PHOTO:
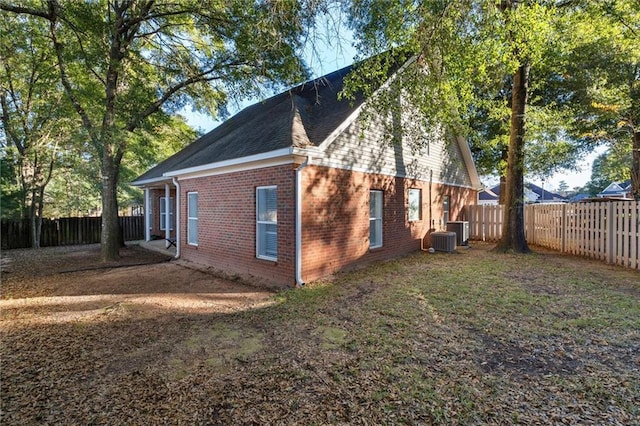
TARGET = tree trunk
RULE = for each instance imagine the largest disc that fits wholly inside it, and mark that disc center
(503, 179)
(635, 166)
(502, 190)
(39, 213)
(35, 208)
(110, 238)
(33, 222)
(513, 238)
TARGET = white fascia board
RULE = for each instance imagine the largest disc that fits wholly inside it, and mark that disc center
(300, 155)
(346, 123)
(267, 159)
(311, 151)
(252, 165)
(145, 182)
(468, 161)
(232, 162)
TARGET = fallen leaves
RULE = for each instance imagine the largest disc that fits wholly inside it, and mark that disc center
(421, 340)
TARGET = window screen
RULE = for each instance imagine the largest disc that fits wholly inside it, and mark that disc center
(375, 219)
(267, 222)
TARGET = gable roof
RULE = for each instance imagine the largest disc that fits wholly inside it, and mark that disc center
(301, 117)
(616, 189)
(488, 195)
(302, 120)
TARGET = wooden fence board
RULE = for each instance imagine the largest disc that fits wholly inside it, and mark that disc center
(608, 231)
(66, 231)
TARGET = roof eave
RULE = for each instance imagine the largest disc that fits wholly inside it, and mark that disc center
(469, 163)
(256, 158)
(150, 181)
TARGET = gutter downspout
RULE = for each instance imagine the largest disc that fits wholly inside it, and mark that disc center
(299, 281)
(177, 213)
(147, 214)
(430, 210)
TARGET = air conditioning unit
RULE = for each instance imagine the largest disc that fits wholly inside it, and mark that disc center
(443, 241)
(461, 228)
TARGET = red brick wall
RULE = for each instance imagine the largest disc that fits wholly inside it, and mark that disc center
(155, 196)
(227, 223)
(336, 218)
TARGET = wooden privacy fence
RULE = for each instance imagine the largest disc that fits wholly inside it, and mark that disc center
(608, 231)
(66, 231)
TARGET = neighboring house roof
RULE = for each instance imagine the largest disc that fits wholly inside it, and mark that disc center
(306, 117)
(487, 195)
(529, 196)
(535, 194)
(579, 197)
(616, 189)
(544, 195)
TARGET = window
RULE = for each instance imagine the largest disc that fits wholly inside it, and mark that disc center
(163, 213)
(375, 219)
(445, 209)
(192, 218)
(267, 223)
(415, 204)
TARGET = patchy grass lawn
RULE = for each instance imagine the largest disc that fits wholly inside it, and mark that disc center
(469, 338)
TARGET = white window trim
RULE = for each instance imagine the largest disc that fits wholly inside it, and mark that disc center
(446, 202)
(419, 218)
(372, 220)
(161, 213)
(264, 222)
(190, 218)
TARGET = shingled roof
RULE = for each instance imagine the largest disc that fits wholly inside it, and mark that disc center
(301, 117)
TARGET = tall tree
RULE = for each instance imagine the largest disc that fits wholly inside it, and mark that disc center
(122, 61)
(601, 74)
(466, 48)
(33, 112)
(526, 31)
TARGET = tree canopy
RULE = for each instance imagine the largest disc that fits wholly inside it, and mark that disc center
(37, 121)
(477, 57)
(600, 75)
(532, 84)
(123, 62)
(513, 76)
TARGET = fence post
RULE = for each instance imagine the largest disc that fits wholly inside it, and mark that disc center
(563, 227)
(529, 227)
(480, 223)
(635, 230)
(610, 227)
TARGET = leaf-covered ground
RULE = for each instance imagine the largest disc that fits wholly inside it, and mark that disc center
(468, 338)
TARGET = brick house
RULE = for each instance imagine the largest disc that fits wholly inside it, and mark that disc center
(302, 185)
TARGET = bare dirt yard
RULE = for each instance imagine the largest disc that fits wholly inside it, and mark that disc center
(70, 283)
(475, 337)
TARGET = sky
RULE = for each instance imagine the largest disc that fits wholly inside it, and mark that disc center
(574, 178)
(330, 54)
(326, 54)
(333, 59)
